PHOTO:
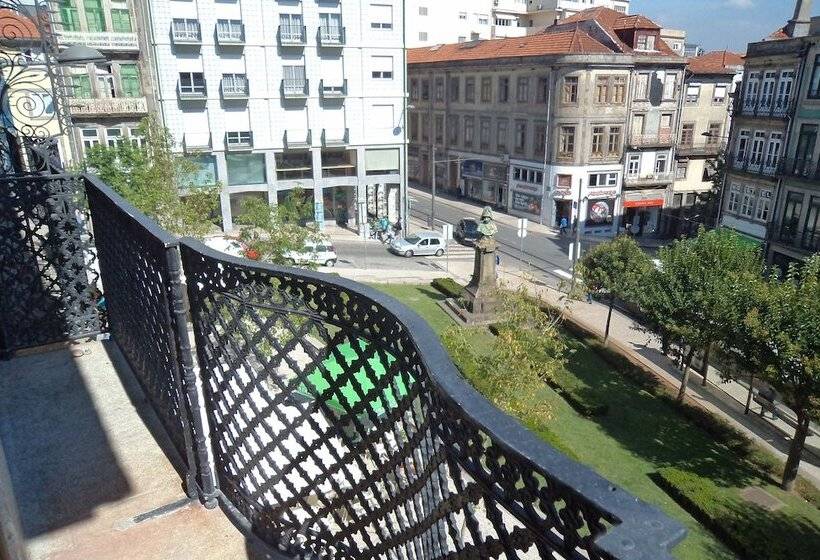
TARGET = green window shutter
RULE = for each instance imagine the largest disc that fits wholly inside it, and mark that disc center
(94, 16)
(81, 86)
(121, 21)
(68, 16)
(130, 80)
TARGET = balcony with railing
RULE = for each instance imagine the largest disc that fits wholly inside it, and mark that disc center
(292, 35)
(759, 164)
(790, 235)
(238, 141)
(193, 142)
(230, 35)
(805, 169)
(110, 106)
(298, 139)
(330, 90)
(764, 106)
(648, 179)
(662, 138)
(102, 41)
(235, 88)
(335, 137)
(246, 379)
(186, 32)
(330, 36)
(295, 88)
(700, 147)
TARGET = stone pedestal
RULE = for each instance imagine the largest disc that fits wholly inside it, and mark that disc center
(481, 294)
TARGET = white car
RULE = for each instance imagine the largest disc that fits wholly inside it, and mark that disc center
(420, 243)
(321, 253)
(226, 245)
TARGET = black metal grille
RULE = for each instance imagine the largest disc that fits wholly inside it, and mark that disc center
(48, 264)
(341, 429)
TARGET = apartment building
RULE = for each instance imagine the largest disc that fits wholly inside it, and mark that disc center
(675, 39)
(107, 100)
(765, 129)
(266, 96)
(538, 125)
(710, 85)
(543, 13)
(431, 22)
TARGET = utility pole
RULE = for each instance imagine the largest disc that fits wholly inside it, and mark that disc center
(433, 201)
(577, 241)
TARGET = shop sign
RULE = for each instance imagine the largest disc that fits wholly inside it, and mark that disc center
(562, 194)
(600, 212)
(526, 187)
(526, 203)
(495, 172)
(643, 203)
(472, 167)
(596, 194)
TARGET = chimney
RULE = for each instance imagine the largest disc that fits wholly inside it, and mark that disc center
(800, 24)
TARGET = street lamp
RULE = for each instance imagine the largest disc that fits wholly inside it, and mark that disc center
(433, 202)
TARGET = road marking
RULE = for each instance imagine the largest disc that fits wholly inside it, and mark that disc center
(563, 273)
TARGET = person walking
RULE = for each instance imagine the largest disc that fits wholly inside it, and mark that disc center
(563, 225)
(397, 228)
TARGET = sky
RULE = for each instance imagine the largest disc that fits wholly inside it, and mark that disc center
(720, 24)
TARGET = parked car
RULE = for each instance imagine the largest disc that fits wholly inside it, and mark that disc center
(321, 253)
(420, 243)
(466, 231)
(226, 245)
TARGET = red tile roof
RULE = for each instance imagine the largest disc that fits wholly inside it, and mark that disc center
(16, 26)
(717, 62)
(778, 35)
(574, 41)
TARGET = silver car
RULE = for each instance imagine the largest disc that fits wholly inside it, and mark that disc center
(420, 243)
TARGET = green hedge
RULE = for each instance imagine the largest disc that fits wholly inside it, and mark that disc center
(753, 533)
(448, 287)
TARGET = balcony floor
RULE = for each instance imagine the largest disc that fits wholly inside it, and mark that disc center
(88, 466)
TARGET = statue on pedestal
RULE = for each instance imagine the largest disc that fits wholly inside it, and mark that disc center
(481, 293)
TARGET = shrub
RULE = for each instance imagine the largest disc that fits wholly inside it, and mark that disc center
(448, 287)
(753, 533)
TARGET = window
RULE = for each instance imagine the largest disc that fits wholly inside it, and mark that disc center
(291, 28)
(687, 134)
(121, 21)
(422, 36)
(767, 94)
(68, 15)
(752, 89)
(619, 90)
(486, 89)
(645, 42)
(522, 93)
(633, 165)
(202, 173)
(734, 199)
(569, 93)
(191, 83)
(382, 67)
(439, 132)
(440, 89)
(90, 137)
(501, 135)
(330, 26)
(94, 16)
(234, 84)
(603, 179)
(455, 86)
(422, 11)
(810, 230)
(719, 96)
(638, 124)
(660, 163)
(229, 30)
(784, 91)
(670, 86)
(520, 138)
(503, 89)
(483, 19)
(381, 16)
(113, 136)
(425, 90)
(773, 152)
(566, 142)
(81, 86)
(246, 169)
(615, 140)
(484, 133)
(642, 85)
(185, 29)
(806, 143)
(239, 138)
(462, 16)
(452, 127)
(666, 122)
(294, 79)
(542, 90)
(714, 132)
(791, 215)
(130, 80)
(136, 139)
(526, 175)
(764, 205)
(540, 140)
(469, 90)
(681, 166)
(757, 148)
(469, 131)
(598, 140)
(814, 84)
(747, 203)
(425, 127)
(692, 93)
(601, 89)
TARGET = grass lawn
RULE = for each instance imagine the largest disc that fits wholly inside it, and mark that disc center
(639, 434)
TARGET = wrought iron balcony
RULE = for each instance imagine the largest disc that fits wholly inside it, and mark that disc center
(757, 164)
(334, 137)
(662, 138)
(298, 139)
(114, 107)
(186, 32)
(332, 91)
(233, 36)
(764, 106)
(802, 168)
(292, 35)
(331, 36)
(235, 88)
(295, 89)
(648, 179)
(701, 147)
(102, 41)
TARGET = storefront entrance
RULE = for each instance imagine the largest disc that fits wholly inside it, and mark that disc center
(641, 221)
(340, 205)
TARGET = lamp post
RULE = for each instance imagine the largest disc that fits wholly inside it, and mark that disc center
(433, 201)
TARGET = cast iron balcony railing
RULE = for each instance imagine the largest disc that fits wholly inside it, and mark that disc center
(239, 141)
(330, 36)
(701, 147)
(802, 168)
(332, 90)
(295, 88)
(759, 164)
(232, 34)
(111, 106)
(292, 35)
(186, 32)
(662, 138)
(298, 139)
(105, 41)
(764, 106)
(787, 233)
(235, 87)
(649, 179)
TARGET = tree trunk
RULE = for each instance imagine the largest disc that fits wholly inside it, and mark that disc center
(749, 396)
(609, 318)
(705, 365)
(687, 364)
(796, 449)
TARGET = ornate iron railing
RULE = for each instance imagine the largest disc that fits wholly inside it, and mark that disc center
(341, 429)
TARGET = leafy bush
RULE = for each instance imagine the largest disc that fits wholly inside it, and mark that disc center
(448, 287)
(753, 533)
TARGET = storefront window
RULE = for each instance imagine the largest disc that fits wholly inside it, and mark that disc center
(246, 169)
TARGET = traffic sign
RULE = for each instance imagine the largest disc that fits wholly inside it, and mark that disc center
(447, 231)
(523, 223)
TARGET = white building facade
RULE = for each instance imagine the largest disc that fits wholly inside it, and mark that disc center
(269, 96)
(433, 22)
(543, 13)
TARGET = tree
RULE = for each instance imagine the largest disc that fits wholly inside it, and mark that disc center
(151, 177)
(780, 335)
(689, 297)
(270, 232)
(617, 268)
(710, 200)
